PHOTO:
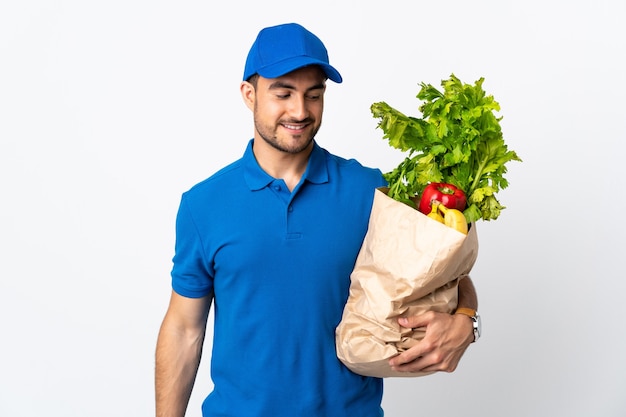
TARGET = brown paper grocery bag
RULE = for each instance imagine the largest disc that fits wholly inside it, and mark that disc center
(408, 264)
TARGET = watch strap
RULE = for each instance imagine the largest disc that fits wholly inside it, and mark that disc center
(466, 311)
(472, 314)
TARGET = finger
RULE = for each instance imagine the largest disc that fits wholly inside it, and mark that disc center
(418, 367)
(424, 364)
(419, 364)
(413, 322)
(403, 359)
(415, 366)
(411, 355)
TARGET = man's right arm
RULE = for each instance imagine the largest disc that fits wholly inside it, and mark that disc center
(178, 353)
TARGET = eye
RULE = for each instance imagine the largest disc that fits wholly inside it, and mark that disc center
(314, 96)
(283, 94)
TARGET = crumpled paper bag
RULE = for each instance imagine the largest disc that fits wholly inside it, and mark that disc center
(408, 264)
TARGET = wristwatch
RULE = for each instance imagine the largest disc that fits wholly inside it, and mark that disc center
(472, 314)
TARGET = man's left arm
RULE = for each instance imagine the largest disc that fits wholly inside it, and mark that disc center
(446, 339)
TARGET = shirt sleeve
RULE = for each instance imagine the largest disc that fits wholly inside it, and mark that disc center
(192, 275)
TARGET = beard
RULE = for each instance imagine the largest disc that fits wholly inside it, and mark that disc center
(291, 147)
(291, 144)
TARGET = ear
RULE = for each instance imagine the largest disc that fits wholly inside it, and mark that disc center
(248, 94)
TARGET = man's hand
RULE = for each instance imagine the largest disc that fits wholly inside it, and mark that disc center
(445, 341)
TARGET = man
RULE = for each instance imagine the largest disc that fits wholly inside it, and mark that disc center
(271, 240)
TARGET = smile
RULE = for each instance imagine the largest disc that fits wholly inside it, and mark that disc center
(294, 127)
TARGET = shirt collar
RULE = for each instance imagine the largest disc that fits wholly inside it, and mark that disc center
(316, 170)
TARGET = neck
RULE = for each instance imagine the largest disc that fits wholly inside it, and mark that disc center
(279, 164)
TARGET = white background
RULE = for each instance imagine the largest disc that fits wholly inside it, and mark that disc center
(110, 110)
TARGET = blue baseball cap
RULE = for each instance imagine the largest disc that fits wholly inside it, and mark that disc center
(281, 49)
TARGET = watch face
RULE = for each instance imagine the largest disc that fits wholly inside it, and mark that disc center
(477, 327)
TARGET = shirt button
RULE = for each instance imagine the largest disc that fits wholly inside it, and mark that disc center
(277, 187)
(290, 209)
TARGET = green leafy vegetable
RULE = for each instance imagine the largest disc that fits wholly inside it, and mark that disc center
(457, 141)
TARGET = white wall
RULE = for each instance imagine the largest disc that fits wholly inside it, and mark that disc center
(110, 110)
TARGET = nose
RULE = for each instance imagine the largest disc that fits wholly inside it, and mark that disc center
(298, 109)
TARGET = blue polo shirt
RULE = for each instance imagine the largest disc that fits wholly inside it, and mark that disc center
(278, 264)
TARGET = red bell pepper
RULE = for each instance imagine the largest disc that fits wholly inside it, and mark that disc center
(447, 194)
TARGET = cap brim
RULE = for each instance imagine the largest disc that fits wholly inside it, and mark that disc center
(285, 67)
